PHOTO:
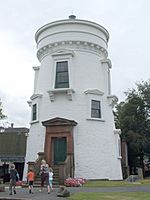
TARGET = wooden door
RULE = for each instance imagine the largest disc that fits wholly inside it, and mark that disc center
(60, 150)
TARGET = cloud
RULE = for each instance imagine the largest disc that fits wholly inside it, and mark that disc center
(128, 48)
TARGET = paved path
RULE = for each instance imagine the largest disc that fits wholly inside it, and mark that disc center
(23, 192)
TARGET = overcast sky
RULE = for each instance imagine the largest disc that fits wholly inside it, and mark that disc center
(127, 21)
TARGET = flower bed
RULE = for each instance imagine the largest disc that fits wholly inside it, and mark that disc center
(19, 183)
(74, 182)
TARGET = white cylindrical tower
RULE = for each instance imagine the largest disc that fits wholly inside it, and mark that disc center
(72, 100)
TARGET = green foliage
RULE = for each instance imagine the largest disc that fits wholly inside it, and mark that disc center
(2, 116)
(133, 117)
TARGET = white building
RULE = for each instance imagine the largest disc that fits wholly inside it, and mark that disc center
(72, 117)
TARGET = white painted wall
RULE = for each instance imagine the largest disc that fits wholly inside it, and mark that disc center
(95, 144)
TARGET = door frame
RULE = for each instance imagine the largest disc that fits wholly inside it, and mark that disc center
(58, 127)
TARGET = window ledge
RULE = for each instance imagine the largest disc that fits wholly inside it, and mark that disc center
(119, 157)
(34, 96)
(96, 119)
(113, 99)
(29, 103)
(35, 121)
(94, 91)
(68, 91)
(117, 131)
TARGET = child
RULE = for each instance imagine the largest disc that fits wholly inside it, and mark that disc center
(30, 177)
(51, 178)
(13, 178)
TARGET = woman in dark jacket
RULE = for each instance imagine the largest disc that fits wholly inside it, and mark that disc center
(44, 171)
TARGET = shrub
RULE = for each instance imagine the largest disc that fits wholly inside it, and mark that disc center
(74, 182)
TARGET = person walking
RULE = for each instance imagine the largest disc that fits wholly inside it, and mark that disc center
(13, 179)
(30, 177)
(44, 171)
(51, 178)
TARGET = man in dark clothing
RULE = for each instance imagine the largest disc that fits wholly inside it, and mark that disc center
(13, 179)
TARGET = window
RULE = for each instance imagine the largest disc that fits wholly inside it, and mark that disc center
(95, 102)
(34, 112)
(95, 109)
(119, 147)
(62, 76)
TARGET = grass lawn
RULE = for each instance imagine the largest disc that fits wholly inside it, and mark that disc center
(111, 196)
(116, 183)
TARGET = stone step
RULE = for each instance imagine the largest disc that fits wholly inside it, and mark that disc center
(37, 181)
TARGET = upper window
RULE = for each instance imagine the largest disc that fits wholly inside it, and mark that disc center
(34, 112)
(62, 75)
(95, 109)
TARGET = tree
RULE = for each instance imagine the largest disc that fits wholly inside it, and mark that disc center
(133, 117)
(2, 116)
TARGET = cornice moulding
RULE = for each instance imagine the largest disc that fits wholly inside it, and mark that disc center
(71, 46)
